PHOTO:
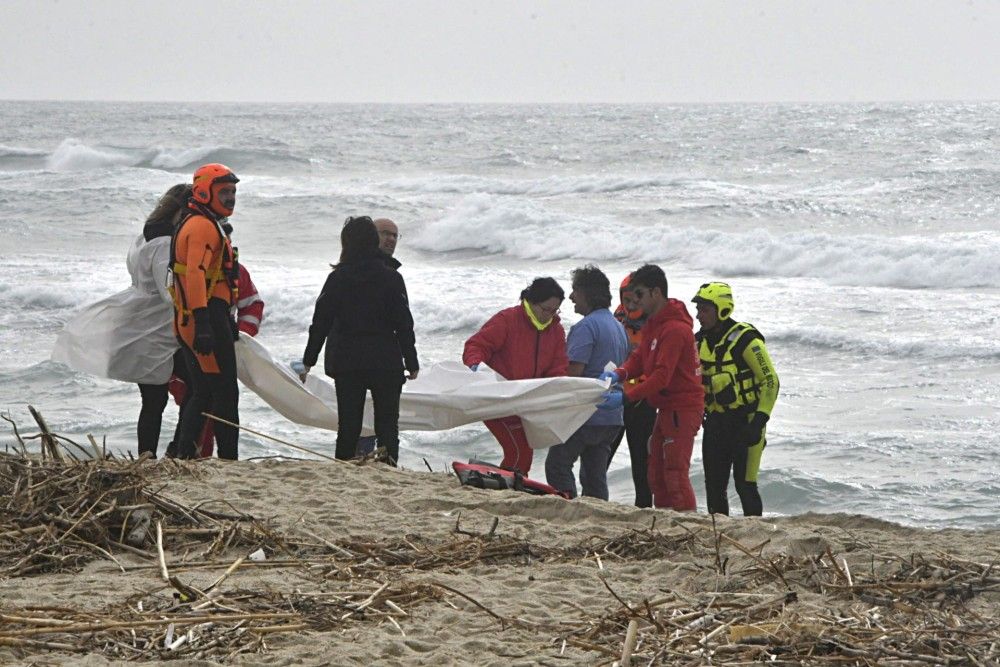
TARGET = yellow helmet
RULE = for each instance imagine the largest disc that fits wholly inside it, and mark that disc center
(718, 294)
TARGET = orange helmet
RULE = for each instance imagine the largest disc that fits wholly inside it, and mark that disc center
(207, 180)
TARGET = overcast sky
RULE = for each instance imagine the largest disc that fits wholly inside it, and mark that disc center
(509, 51)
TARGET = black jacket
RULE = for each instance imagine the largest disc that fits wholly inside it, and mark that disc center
(364, 312)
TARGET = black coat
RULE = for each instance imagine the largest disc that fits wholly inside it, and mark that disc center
(363, 311)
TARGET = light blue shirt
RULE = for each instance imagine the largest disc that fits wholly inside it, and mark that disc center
(594, 341)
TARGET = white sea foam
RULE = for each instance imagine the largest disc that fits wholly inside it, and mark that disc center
(902, 344)
(526, 229)
(73, 155)
(17, 151)
(164, 158)
(551, 185)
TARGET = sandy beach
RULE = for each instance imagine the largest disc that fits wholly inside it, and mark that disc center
(499, 578)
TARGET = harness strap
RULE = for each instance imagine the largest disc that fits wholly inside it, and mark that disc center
(216, 273)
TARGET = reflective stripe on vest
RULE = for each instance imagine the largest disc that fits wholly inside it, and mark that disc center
(729, 384)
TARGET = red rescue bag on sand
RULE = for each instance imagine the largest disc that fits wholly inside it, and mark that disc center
(486, 476)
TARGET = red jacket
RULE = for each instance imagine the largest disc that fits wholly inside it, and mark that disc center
(511, 345)
(668, 358)
(249, 307)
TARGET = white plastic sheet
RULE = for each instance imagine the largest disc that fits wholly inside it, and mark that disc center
(443, 396)
(128, 336)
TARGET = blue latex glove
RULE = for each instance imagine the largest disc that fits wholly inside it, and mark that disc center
(609, 375)
(473, 367)
(613, 399)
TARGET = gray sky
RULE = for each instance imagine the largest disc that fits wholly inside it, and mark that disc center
(471, 51)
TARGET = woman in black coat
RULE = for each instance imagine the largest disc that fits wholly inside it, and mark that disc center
(363, 317)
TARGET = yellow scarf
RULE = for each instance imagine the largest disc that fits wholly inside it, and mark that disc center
(541, 326)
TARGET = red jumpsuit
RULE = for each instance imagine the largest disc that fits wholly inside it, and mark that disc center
(668, 360)
(511, 345)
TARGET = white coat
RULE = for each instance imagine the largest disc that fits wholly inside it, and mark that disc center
(128, 336)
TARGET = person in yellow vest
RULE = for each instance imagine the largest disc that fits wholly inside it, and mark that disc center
(205, 276)
(741, 387)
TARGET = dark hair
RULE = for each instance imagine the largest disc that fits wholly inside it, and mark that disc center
(649, 275)
(594, 285)
(542, 289)
(358, 238)
(171, 206)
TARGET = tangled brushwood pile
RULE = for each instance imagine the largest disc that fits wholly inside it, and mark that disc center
(909, 611)
(206, 580)
(202, 624)
(57, 515)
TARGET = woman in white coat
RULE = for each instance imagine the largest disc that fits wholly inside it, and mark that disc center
(129, 336)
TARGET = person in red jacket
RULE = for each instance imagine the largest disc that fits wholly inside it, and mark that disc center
(522, 342)
(249, 315)
(668, 360)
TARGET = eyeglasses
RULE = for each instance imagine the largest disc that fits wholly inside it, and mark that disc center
(549, 311)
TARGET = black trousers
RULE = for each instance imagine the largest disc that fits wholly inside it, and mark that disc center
(352, 386)
(154, 401)
(722, 451)
(215, 393)
(639, 420)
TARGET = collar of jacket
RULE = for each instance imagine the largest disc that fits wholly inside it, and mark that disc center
(534, 320)
(391, 261)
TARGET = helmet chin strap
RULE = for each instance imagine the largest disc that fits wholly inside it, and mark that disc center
(207, 210)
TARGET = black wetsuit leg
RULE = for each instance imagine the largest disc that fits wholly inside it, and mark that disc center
(216, 393)
(639, 420)
(225, 388)
(716, 454)
(616, 444)
(154, 400)
(197, 401)
(180, 370)
(749, 494)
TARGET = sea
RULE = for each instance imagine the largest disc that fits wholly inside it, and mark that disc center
(861, 239)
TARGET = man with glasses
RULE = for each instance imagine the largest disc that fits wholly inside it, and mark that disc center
(668, 360)
(593, 342)
(388, 236)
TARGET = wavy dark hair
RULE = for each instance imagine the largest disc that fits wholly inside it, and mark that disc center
(358, 238)
(594, 285)
(542, 289)
(172, 206)
(650, 275)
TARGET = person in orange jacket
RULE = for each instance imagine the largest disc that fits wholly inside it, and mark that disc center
(249, 315)
(204, 287)
(639, 415)
(521, 342)
(667, 363)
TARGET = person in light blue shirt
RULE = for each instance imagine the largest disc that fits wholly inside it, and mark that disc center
(592, 343)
